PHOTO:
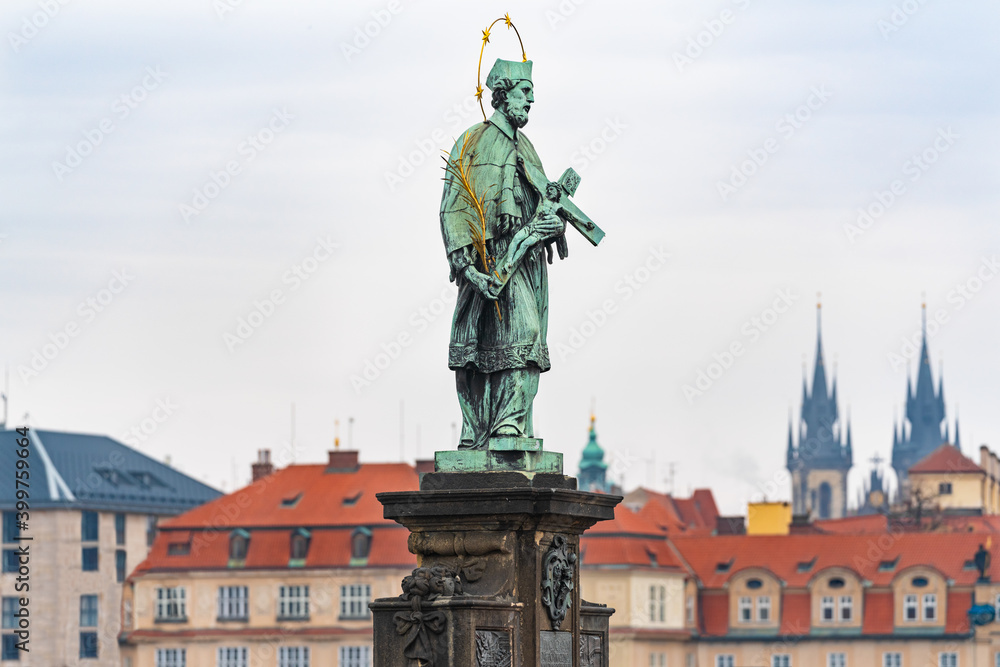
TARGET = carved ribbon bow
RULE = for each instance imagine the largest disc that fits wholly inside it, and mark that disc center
(416, 628)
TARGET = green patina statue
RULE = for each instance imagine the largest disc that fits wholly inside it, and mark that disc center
(500, 217)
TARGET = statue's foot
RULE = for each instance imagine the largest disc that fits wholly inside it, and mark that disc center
(508, 430)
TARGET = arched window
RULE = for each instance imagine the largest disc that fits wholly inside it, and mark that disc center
(300, 544)
(239, 542)
(825, 500)
(361, 544)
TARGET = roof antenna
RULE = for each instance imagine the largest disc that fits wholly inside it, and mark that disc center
(350, 432)
(336, 434)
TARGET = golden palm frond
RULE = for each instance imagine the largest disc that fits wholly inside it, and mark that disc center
(459, 169)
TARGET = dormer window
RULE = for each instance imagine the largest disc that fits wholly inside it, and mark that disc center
(361, 544)
(299, 547)
(930, 607)
(239, 543)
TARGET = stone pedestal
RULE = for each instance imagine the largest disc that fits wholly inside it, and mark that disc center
(498, 578)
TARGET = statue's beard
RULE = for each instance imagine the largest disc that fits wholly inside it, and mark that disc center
(517, 114)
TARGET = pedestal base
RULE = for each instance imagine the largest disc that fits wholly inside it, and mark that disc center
(504, 453)
(498, 582)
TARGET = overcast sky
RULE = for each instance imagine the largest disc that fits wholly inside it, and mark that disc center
(170, 168)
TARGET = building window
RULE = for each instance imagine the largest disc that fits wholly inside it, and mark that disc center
(300, 545)
(690, 660)
(231, 656)
(944, 489)
(356, 656)
(120, 529)
(293, 656)
(930, 607)
(88, 611)
(846, 608)
(89, 557)
(119, 565)
(657, 603)
(88, 526)
(657, 660)
(293, 602)
(127, 614)
(354, 600)
(88, 644)
(689, 610)
(10, 560)
(892, 659)
(361, 544)
(10, 530)
(171, 657)
(826, 608)
(781, 660)
(948, 660)
(724, 660)
(910, 608)
(745, 609)
(171, 605)
(10, 651)
(10, 608)
(233, 603)
(239, 542)
(836, 660)
(764, 609)
(150, 530)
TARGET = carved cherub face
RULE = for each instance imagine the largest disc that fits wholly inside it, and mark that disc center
(518, 103)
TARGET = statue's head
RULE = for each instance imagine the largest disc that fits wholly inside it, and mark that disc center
(513, 92)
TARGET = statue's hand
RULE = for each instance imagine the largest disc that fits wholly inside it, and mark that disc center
(487, 286)
(547, 226)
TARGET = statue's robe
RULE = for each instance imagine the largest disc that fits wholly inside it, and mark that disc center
(496, 360)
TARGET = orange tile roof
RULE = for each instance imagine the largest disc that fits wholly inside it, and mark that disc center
(877, 618)
(628, 539)
(325, 501)
(329, 505)
(714, 613)
(946, 459)
(862, 553)
(796, 614)
(957, 619)
(871, 523)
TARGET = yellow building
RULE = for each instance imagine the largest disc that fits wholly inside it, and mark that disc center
(948, 480)
(278, 574)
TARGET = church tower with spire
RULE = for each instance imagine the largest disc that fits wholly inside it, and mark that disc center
(819, 453)
(921, 432)
(593, 469)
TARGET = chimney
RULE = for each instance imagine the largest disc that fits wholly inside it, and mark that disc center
(263, 467)
(342, 460)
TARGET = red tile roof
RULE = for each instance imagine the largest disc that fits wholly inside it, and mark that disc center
(330, 505)
(714, 613)
(796, 614)
(957, 619)
(878, 618)
(946, 459)
(862, 553)
(628, 539)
